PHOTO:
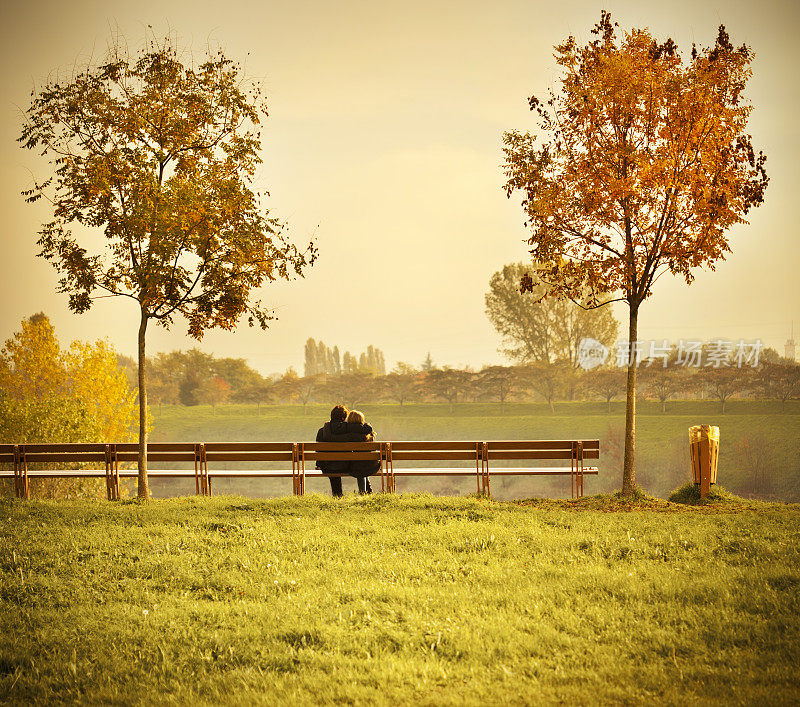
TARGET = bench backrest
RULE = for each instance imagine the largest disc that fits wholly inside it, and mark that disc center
(423, 450)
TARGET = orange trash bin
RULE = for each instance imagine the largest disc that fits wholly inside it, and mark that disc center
(704, 444)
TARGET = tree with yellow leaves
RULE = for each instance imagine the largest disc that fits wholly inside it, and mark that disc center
(51, 395)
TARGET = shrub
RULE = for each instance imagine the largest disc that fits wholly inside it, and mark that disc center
(689, 494)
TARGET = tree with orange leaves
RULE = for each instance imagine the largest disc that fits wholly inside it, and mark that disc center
(160, 156)
(641, 165)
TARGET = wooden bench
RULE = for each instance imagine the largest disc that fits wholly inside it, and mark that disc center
(293, 458)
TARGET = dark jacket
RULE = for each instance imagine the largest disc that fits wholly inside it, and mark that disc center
(340, 431)
(363, 433)
(336, 431)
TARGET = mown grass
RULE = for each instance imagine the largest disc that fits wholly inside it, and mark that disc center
(406, 599)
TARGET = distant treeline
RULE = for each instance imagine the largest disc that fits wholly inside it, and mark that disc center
(194, 377)
(319, 359)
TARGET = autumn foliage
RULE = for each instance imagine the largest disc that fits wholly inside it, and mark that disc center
(53, 394)
(640, 166)
(159, 154)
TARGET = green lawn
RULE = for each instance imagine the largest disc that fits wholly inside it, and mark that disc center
(398, 600)
(662, 440)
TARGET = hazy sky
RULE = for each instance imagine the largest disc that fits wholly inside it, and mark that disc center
(385, 142)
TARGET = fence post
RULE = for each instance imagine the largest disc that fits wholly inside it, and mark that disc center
(486, 469)
(300, 476)
(109, 492)
(112, 472)
(202, 483)
(295, 469)
(21, 472)
(389, 469)
(573, 470)
(478, 465)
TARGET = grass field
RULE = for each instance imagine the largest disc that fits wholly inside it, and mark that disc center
(398, 600)
(662, 440)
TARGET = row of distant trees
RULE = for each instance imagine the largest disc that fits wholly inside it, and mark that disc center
(194, 377)
(321, 359)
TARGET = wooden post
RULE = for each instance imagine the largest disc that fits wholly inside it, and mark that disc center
(478, 465)
(115, 474)
(17, 472)
(573, 459)
(201, 481)
(301, 469)
(387, 476)
(197, 469)
(204, 464)
(112, 473)
(295, 468)
(384, 465)
(21, 472)
(390, 487)
(485, 462)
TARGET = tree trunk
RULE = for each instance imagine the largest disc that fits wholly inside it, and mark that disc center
(608, 404)
(144, 488)
(723, 405)
(664, 405)
(552, 407)
(629, 467)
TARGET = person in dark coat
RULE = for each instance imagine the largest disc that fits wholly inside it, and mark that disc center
(335, 431)
(362, 432)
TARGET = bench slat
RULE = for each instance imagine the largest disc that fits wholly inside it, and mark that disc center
(334, 446)
(542, 444)
(248, 457)
(537, 454)
(433, 456)
(249, 447)
(434, 445)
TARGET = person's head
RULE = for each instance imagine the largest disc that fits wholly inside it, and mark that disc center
(339, 414)
(356, 417)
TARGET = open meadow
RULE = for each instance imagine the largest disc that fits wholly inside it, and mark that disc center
(398, 600)
(759, 452)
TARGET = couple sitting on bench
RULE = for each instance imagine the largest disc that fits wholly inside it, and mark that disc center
(347, 427)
